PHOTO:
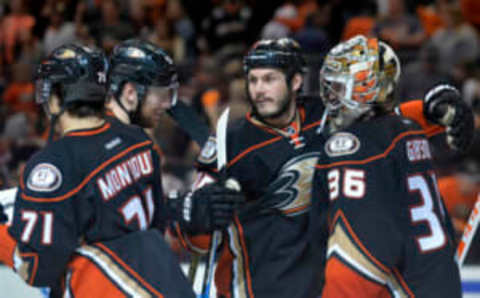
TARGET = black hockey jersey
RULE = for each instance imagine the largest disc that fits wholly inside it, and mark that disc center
(386, 220)
(92, 188)
(265, 252)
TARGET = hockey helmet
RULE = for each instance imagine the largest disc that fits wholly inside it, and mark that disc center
(80, 71)
(359, 74)
(284, 53)
(144, 64)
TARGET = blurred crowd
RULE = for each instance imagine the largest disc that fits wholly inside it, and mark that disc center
(436, 40)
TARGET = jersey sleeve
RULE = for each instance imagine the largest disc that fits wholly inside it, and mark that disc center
(44, 231)
(414, 111)
(206, 173)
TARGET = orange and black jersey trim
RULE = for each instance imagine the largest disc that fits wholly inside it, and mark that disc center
(82, 187)
(387, 223)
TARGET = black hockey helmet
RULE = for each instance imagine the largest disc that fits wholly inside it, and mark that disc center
(284, 53)
(142, 63)
(80, 71)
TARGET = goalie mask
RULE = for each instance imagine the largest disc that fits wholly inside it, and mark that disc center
(146, 66)
(358, 75)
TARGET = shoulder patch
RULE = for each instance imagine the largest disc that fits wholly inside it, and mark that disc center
(44, 177)
(209, 151)
(343, 143)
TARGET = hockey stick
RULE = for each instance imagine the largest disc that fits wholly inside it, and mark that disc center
(221, 167)
(468, 233)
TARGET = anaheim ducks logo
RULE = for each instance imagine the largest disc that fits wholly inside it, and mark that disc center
(294, 184)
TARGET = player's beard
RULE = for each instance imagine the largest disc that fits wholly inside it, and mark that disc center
(282, 107)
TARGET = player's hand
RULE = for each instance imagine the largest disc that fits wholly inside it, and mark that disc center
(444, 105)
(209, 208)
(3, 216)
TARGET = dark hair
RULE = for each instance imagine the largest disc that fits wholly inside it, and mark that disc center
(78, 108)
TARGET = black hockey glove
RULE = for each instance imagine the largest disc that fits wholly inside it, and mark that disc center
(3, 216)
(443, 105)
(207, 209)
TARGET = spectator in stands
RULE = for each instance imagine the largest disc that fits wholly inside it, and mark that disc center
(460, 192)
(315, 42)
(430, 17)
(183, 26)
(19, 95)
(457, 42)
(277, 27)
(225, 30)
(421, 75)
(111, 29)
(403, 31)
(471, 11)
(361, 23)
(58, 31)
(164, 36)
(13, 25)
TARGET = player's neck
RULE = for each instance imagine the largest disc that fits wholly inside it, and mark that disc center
(284, 119)
(117, 111)
(68, 123)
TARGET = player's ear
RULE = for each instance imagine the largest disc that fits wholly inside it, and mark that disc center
(296, 82)
(129, 95)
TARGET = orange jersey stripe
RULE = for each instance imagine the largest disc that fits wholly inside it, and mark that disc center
(342, 281)
(265, 143)
(7, 246)
(33, 272)
(104, 127)
(402, 281)
(245, 254)
(88, 178)
(88, 280)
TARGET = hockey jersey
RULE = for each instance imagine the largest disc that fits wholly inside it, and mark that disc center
(91, 196)
(387, 223)
(266, 252)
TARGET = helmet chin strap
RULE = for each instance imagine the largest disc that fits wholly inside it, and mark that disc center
(53, 122)
(135, 115)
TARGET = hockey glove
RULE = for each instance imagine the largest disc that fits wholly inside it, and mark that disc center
(207, 209)
(3, 216)
(443, 105)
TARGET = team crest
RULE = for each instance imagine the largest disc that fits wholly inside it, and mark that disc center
(209, 151)
(294, 185)
(44, 177)
(343, 143)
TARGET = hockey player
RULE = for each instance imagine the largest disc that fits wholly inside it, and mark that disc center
(387, 223)
(87, 202)
(143, 84)
(266, 251)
